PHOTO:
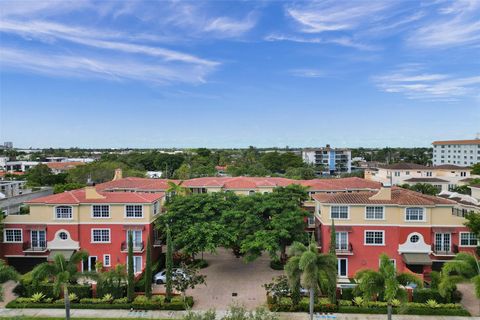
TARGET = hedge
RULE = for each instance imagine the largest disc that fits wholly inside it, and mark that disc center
(423, 295)
(176, 304)
(347, 294)
(407, 310)
(82, 291)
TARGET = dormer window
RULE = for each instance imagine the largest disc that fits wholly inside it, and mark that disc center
(63, 212)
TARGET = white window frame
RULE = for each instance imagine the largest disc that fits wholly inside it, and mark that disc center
(348, 212)
(156, 208)
(133, 205)
(100, 205)
(373, 244)
(424, 214)
(338, 244)
(346, 269)
(383, 213)
(55, 214)
(469, 245)
(92, 240)
(105, 258)
(135, 264)
(13, 230)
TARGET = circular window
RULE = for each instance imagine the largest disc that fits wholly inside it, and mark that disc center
(414, 238)
(63, 235)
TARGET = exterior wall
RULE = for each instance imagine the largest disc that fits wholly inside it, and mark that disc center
(457, 154)
(475, 192)
(12, 205)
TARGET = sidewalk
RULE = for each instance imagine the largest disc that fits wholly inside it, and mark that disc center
(88, 313)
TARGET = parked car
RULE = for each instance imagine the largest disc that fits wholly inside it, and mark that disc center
(161, 277)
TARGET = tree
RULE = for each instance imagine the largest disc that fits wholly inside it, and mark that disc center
(383, 283)
(148, 271)
(463, 267)
(333, 251)
(476, 169)
(7, 272)
(113, 281)
(130, 270)
(62, 187)
(183, 172)
(177, 189)
(62, 272)
(301, 173)
(101, 171)
(314, 271)
(473, 222)
(424, 188)
(188, 279)
(280, 288)
(41, 175)
(169, 266)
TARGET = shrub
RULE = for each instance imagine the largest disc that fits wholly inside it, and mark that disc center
(141, 300)
(423, 295)
(358, 301)
(123, 300)
(324, 301)
(81, 291)
(37, 297)
(276, 265)
(72, 297)
(60, 301)
(105, 287)
(347, 294)
(432, 303)
(345, 302)
(91, 301)
(23, 300)
(199, 264)
(396, 303)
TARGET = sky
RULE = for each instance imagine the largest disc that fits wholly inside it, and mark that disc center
(154, 74)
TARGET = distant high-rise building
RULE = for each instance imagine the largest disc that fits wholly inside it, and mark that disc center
(8, 145)
(331, 160)
(457, 152)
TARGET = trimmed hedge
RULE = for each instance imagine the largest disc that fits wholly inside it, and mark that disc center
(176, 304)
(82, 291)
(407, 310)
(423, 295)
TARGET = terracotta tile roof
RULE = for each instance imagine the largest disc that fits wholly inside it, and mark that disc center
(400, 196)
(136, 184)
(64, 165)
(472, 141)
(352, 183)
(450, 167)
(426, 180)
(405, 166)
(78, 197)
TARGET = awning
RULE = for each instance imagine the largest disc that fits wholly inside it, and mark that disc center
(66, 253)
(422, 259)
(343, 228)
(133, 227)
(36, 227)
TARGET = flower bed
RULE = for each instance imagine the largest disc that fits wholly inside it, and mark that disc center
(140, 303)
(369, 307)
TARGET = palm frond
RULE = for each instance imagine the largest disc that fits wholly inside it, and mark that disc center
(296, 249)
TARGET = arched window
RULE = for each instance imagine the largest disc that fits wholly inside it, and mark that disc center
(63, 212)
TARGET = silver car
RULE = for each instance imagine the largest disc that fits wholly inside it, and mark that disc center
(161, 277)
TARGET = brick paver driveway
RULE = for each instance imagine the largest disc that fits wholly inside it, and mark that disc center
(226, 275)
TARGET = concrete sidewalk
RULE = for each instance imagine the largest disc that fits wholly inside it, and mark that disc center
(119, 314)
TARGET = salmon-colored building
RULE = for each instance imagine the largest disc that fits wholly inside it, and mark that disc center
(418, 232)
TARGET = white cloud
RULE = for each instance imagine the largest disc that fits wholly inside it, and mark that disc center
(308, 73)
(415, 84)
(229, 27)
(342, 41)
(110, 68)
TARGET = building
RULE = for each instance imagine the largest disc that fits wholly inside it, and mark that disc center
(20, 166)
(11, 188)
(456, 152)
(332, 160)
(8, 145)
(444, 177)
(418, 232)
(3, 162)
(62, 167)
(475, 189)
(84, 219)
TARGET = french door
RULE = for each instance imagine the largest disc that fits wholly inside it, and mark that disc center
(443, 242)
(136, 237)
(37, 238)
(343, 267)
(342, 241)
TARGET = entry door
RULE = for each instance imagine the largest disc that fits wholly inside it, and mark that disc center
(37, 238)
(89, 263)
(342, 241)
(343, 267)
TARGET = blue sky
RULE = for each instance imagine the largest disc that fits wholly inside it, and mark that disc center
(234, 74)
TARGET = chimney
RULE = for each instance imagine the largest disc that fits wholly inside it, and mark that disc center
(91, 193)
(118, 174)
(385, 193)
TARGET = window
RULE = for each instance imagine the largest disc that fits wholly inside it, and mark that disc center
(106, 260)
(374, 213)
(101, 235)
(137, 264)
(414, 238)
(414, 214)
(468, 239)
(407, 173)
(463, 174)
(374, 238)
(134, 211)
(13, 235)
(101, 211)
(63, 212)
(397, 173)
(429, 173)
(63, 235)
(339, 212)
(136, 237)
(341, 241)
(311, 220)
(442, 242)
(343, 267)
(155, 207)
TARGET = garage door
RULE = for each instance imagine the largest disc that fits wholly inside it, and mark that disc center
(24, 265)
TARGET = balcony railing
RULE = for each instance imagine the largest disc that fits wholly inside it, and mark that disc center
(137, 246)
(38, 246)
(442, 252)
(344, 249)
(157, 242)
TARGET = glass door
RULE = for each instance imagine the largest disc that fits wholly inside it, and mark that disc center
(343, 267)
(442, 242)
(37, 238)
(342, 241)
(136, 237)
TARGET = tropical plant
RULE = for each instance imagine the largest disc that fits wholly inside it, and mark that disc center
(130, 271)
(107, 297)
(62, 272)
(37, 297)
(113, 281)
(313, 271)
(432, 303)
(177, 189)
(396, 302)
(384, 282)
(463, 267)
(358, 301)
(169, 267)
(73, 297)
(7, 272)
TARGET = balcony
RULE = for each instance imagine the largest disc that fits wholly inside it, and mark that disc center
(137, 246)
(157, 242)
(37, 246)
(344, 249)
(446, 253)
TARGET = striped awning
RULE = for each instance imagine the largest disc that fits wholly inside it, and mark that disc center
(66, 253)
(422, 259)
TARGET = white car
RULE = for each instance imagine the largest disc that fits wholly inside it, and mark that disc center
(161, 277)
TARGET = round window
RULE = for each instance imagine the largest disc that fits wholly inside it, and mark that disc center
(414, 238)
(63, 235)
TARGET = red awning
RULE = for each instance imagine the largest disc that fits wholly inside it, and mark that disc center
(444, 230)
(133, 227)
(36, 227)
(343, 228)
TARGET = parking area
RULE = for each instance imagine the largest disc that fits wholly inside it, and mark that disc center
(231, 280)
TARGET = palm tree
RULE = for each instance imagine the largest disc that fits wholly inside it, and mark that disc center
(177, 189)
(62, 272)
(310, 269)
(464, 267)
(384, 282)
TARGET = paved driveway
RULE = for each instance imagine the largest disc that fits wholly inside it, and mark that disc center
(226, 275)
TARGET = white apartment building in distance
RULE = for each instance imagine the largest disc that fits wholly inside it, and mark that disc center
(333, 160)
(456, 152)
